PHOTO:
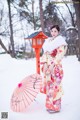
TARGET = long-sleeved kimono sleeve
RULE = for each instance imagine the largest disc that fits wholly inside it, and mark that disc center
(60, 52)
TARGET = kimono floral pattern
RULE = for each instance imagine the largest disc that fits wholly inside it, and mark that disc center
(53, 74)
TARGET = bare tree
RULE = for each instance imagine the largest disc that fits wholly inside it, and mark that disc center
(77, 10)
(3, 46)
(61, 14)
(33, 14)
(41, 15)
(11, 30)
(71, 14)
(2, 32)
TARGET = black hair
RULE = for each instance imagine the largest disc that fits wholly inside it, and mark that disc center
(55, 26)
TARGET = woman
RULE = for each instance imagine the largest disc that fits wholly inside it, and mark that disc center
(54, 51)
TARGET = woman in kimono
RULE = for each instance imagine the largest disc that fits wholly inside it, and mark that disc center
(54, 50)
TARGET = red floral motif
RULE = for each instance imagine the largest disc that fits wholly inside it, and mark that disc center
(54, 52)
(56, 105)
(43, 89)
(52, 78)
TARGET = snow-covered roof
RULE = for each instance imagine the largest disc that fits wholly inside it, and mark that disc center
(71, 28)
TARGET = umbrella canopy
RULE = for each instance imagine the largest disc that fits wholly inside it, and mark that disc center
(25, 92)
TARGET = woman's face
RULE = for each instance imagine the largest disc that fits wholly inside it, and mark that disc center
(54, 32)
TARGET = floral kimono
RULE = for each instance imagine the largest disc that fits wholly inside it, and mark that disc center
(53, 74)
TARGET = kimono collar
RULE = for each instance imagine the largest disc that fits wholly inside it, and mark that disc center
(53, 43)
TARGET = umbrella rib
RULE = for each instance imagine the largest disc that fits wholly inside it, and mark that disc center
(29, 88)
(16, 104)
(24, 101)
(35, 78)
(28, 97)
(34, 86)
(32, 90)
(37, 87)
(30, 93)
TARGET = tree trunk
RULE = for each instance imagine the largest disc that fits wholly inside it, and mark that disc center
(11, 31)
(3, 46)
(33, 14)
(77, 10)
(72, 17)
(41, 15)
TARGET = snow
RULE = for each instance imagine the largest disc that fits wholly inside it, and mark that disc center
(12, 71)
(71, 28)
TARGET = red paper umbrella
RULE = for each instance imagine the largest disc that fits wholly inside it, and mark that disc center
(25, 92)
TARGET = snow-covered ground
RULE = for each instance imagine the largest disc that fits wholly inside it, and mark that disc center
(12, 71)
